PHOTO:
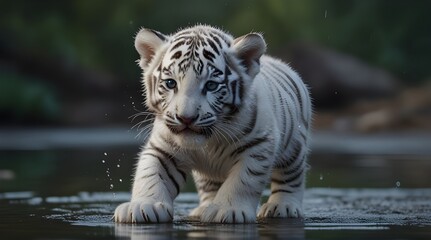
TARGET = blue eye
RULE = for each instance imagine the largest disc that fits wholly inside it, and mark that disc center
(170, 83)
(211, 86)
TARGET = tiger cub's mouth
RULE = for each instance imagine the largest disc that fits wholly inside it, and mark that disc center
(189, 130)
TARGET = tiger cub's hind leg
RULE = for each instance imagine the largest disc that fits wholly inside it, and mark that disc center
(207, 190)
(287, 189)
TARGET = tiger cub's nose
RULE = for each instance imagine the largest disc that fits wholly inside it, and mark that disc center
(187, 120)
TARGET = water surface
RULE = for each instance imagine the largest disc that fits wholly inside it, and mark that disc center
(71, 191)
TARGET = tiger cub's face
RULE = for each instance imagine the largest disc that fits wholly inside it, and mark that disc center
(195, 80)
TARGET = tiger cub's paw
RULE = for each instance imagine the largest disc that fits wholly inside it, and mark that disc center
(143, 211)
(198, 211)
(220, 213)
(280, 210)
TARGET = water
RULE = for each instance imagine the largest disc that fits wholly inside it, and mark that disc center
(329, 212)
(66, 193)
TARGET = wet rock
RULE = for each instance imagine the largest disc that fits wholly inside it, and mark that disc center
(410, 110)
(336, 79)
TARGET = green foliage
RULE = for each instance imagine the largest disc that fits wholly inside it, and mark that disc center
(393, 34)
(100, 35)
(24, 97)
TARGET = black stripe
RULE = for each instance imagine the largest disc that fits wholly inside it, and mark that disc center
(248, 145)
(255, 173)
(285, 162)
(250, 125)
(233, 89)
(170, 142)
(182, 35)
(295, 185)
(278, 181)
(208, 55)
(170, 157)
(165, 167)
(215, 108)
(213, 46)
(258, 157)
(149, 175)
(294, 157)
(280, 190)
(293, 84)
(153, 185)
(177, 45)
(291, 128)
(217, 40)
(295, 176)
(223, 38)
(158, 34)
(283, 112)
(176, 55)
(156, 214)
(210, 186)
(285, 89)
(241, 88)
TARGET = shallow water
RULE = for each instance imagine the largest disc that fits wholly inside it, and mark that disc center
(71, 192)
(330, 213)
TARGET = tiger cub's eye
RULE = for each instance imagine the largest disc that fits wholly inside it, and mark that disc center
(211, 86)
(170, 83)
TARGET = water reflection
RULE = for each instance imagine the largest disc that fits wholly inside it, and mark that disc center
(272, 228)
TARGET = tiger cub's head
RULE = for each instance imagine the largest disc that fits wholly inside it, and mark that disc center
(197, 79)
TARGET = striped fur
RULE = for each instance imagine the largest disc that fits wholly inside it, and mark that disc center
(235, 119)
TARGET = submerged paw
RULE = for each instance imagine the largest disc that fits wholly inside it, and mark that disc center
(143, 212)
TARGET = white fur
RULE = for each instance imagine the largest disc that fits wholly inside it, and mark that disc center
(282, 119)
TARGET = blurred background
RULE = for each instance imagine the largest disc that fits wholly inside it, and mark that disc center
(71, 65)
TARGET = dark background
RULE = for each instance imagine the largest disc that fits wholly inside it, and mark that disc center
(72, 63)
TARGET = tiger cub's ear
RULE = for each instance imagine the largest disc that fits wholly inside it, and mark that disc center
(147, 42)
(249, 48)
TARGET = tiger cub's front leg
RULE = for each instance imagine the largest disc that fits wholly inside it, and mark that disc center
(207, 190)
(157, 182)
(287, 189)
(237, 199)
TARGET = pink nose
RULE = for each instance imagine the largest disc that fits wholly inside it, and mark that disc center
(187, 120)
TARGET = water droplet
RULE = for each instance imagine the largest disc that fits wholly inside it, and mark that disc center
(105, 154)
(118, 165)
(111, 186)
(335, 92)
(103, 161)
(321, 177)
(326, 13)
(121, 180)
(398, 184)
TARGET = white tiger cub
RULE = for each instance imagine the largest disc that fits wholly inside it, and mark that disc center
(234, 118)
